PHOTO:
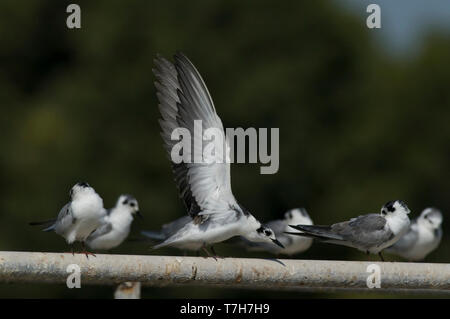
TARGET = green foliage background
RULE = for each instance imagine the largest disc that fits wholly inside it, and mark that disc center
(357, 127)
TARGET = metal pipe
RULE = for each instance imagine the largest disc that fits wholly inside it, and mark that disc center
(226, 272)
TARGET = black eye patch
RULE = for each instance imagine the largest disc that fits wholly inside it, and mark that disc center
(267, 232)
(260, 229)
(132, 204)
(390, 206)
(125, 202)
(83, 184)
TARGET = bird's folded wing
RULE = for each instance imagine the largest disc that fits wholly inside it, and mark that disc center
(65, 217)
(103, 229)
(204, 185)
(366, 229)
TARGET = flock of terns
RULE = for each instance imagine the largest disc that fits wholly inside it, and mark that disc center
(213, 213)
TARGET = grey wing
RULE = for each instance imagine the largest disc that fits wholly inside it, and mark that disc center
(105, 228)
(167, 87)
(366, 230)
(184, 98)
(65, 218)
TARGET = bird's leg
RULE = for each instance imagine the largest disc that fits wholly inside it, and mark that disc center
(87, 253)
(72, 251)
(214, 252)
(381, 256)
(207, 252)
(368, 255)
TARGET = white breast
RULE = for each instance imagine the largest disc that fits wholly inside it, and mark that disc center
(88, 213)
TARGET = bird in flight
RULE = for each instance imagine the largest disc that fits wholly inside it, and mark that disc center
(204, 187)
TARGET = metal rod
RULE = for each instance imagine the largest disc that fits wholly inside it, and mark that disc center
(279, 274)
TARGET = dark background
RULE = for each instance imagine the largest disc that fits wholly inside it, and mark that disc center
(358, 125)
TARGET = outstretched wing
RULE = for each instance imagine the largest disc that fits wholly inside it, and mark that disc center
(184, 98)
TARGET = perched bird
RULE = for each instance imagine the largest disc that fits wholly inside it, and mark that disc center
(115, 225)
(369, 233)
(204, 186)
(79, 217)
(292, 244)
(423, 236)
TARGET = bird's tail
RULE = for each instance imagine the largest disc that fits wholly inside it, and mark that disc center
(161, 245)
(155, 235)
(50, 223)
(315, 231)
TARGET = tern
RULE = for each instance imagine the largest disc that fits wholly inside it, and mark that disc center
(115, 225)
(292, 244)
(369, 233)
(423, 236)
(205, 186)
(79, 217)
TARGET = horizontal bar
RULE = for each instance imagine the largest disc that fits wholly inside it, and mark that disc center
(253, 273)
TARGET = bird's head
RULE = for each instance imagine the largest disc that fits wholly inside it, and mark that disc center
(297, 216)
(394, 207)
(431, 218)
(79, 189)
(129, 204)
(263, 234)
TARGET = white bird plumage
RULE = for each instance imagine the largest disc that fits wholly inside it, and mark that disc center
(116, 224)
(423, 236)
(80, 217)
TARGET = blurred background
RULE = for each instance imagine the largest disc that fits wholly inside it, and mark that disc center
(363, 114)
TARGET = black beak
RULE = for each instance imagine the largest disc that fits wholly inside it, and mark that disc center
(298, 234)
(138, 213)
(277, 242)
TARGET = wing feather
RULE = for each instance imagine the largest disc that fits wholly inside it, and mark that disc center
(184, 98)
